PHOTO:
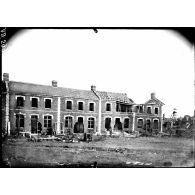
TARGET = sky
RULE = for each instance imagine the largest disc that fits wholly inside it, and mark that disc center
(136, 62)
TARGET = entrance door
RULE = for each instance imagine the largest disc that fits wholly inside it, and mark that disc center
(79, 126)
(118, 124)
(34, 123)
(107, 123)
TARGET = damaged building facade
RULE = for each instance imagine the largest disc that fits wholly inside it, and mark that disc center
(33, 108)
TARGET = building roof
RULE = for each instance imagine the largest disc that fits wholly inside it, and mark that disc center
(155, 101)
(120, 97)
(36, 89)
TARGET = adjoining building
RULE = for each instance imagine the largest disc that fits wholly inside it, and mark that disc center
(31, 107)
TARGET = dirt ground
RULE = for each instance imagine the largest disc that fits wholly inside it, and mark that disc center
(101, 152)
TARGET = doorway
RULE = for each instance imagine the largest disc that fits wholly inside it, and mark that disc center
(34, 123)
(79, 126)
(118, 124)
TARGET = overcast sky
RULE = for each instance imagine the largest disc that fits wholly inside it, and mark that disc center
(136, 62)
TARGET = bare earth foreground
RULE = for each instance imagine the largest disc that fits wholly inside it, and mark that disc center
(101, 152)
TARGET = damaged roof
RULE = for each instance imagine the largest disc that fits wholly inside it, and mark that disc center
(37, 89)
(120, 97)
(155, 101)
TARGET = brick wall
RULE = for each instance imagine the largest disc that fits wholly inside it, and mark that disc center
(28, 110)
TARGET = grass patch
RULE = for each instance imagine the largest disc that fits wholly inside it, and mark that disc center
(105, 151)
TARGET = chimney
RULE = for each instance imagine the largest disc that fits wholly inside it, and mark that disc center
(5, 77)
(153, 95)
(54, 83)
(93, 88)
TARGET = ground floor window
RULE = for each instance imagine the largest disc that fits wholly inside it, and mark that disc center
(126, 123)
(91, 123)
(48, 121)
(19, 121)
(107, 123)
(148, 124)
(155, 126)
(140, 123)
(68, 121)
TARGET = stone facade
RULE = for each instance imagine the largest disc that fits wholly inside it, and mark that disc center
(26, 106)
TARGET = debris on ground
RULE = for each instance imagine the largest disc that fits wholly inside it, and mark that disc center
(131, 135)
(138, 163)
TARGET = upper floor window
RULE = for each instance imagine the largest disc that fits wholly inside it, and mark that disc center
(91, 106)
(20, 101)
(34, 102)
(80, 105)
(140, 109)
(149, 110)
(108, 107)
(156, 111)
(118, 107)
(47, 103)
(69, 105)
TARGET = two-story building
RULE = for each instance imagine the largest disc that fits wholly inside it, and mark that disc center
(149, 115)
(32, 107)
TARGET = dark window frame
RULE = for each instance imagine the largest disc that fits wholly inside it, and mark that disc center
(156, 125)
(138, 123)
(156, 111)
(92, 108)
(32, 102)
(20, 101)
(68, 122)
(47, 103)
(126, 124)
(21, 121)
(80, 106)
(69, 105)
(108, 121)
(108, 107)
